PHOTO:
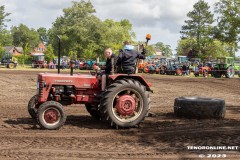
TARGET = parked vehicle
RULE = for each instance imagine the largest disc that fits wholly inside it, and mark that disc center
(205, 70)
(38, 61)
(173, 68)
(9, 61)
(224, 67)
(87, 65)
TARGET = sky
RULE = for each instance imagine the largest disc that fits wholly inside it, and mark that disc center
(160, 18)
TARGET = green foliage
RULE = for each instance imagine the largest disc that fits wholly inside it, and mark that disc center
(84, 33)
(73, 55)
(165, 49)
(43, 34)
(22, 60)
(5, 38)
(199, 25)
(3, 19)
(228, 28)
(212, 50)
(49, 53)
(185, 45)
(150, 50)
(216, 49)
(23, 36)
(115, 33)
(2, 51)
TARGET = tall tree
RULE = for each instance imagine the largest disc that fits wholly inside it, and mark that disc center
(43, 34)
(165, 49)
(3, 18)
(199, 25)
(25, 37)
(78, 28)
(5, 36)
(115, 33)
(228, 28)
(82, 32)
(49, 53)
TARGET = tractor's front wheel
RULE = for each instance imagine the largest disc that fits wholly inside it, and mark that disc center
(32, 107)
(11, 65)
(93, 111)
(51, 115)
(125, 103)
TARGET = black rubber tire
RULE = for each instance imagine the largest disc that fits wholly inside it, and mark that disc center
(93, 111)
(107, 100)
(32, 110)
(198, 107)
(230, 74)
(216, 74)
(196, 74)
(51, 105)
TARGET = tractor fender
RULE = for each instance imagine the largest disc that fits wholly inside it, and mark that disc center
(131, 76)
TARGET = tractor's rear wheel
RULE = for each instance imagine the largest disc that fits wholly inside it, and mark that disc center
(216, 73)
(51, 115)
(32, 107)
(125, 103)
(230, 72)
(93, 111)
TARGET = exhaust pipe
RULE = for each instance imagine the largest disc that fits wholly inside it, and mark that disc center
(59, 49)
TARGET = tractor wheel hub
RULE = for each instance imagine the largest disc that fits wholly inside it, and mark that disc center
(126, 105)
(51, 116)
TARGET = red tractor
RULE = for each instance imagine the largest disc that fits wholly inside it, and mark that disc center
(124, 104)
(204, 70)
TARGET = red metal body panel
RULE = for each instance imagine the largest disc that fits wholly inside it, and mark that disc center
(85, 85)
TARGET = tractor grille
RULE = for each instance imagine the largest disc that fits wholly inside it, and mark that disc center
(40, 88)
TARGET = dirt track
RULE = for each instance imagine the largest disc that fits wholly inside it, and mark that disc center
(161, 137)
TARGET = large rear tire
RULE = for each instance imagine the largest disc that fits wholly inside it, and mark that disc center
(32, 107)
(93, 111)
(216, 73)
(125, 103)
(198, 107)
(51, 115)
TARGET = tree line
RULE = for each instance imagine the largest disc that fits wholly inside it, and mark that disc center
(207, 36)
(84, 35)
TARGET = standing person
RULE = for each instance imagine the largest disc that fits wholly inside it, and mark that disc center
(64, 64)
(128, 57)
(77, 63)
(187, 69)
(111, 57)
(184, 69)
(54, 63)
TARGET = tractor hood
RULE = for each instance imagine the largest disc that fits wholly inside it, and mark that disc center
(77, 80)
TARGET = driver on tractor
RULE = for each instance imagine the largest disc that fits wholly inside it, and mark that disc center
(111, 57)
(128, 58)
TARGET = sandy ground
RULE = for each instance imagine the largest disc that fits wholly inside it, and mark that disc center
(162, 136)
